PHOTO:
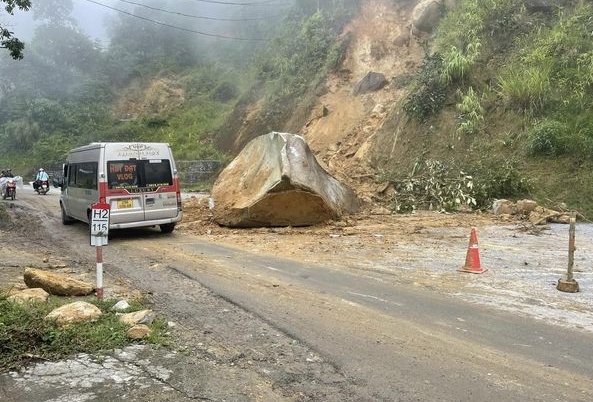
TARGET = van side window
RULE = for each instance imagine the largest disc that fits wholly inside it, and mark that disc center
(83, 175)
(86, 176)
(71, 175)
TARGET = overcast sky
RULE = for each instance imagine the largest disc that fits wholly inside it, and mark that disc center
(90, 18)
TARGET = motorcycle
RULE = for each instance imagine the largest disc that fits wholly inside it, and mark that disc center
(42, 187)
(9, 189)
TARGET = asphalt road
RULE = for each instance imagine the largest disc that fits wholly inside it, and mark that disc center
(312, 332)
(402, 342)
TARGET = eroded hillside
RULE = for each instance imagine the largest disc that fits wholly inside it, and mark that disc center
(345, 139)
(366, 140)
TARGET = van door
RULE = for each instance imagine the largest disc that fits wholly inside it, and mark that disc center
(141, 190)
(160, 195)
(80, 189)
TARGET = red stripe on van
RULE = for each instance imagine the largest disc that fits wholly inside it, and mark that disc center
(102, 192)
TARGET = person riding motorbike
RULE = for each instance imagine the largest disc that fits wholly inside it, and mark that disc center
(7, 184)
(41, 176)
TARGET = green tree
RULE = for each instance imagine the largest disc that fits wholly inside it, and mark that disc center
(59, 59)
(7, 40)
(19, 134)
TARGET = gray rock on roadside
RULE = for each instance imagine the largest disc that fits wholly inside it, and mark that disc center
(138, 317)
(121, 305)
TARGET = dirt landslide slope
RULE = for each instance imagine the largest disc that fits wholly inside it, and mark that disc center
(345, 139)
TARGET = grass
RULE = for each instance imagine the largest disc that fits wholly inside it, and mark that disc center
(25, 335)
(525, 98)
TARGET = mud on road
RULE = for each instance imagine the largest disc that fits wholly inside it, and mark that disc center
(222, 351)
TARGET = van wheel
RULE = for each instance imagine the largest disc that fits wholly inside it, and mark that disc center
(167, 227)
(66, 220)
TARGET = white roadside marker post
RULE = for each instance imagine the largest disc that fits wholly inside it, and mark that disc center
(99, 232)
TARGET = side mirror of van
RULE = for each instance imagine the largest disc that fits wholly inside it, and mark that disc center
(58, 182)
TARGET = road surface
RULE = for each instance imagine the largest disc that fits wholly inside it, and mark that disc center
(261, 327)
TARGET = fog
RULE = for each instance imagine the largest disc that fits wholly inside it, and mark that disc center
(145, 69)
(200, 17)
(90, 18)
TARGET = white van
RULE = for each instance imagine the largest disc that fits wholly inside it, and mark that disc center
(137, 179)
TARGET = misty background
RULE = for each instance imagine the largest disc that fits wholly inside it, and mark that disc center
(89, 16)
(177, 71)
(94, 16)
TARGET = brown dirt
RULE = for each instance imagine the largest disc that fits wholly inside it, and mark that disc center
(374, 230)
(345, 140)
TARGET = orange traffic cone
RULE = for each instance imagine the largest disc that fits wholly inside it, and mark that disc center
(472, 258)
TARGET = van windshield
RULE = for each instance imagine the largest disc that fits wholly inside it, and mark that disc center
(145, 175)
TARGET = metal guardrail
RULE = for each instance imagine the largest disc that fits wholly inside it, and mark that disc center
(196, 171)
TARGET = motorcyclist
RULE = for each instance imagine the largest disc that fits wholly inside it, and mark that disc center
(41, 176)
(6, 174)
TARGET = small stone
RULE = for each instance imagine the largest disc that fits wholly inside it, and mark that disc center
(121, 305)
(138, 331)
(29, 295)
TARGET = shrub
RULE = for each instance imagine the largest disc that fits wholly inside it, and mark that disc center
(495, 22)
(456, 63)
(433, 185)
(429, 94)
(545, 139)
(526, 88)
(224, 92)
(471, 112)
(495, 179)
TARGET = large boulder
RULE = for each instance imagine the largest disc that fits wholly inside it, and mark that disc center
(276, 181)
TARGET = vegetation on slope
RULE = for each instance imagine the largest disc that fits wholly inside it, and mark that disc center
(510, 93)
